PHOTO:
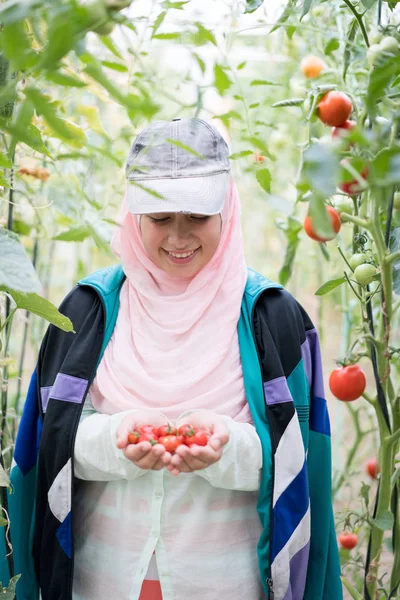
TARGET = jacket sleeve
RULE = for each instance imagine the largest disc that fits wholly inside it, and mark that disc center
(323, 576)
(239, 467)
(96, 456)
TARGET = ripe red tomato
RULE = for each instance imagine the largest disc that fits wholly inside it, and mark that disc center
(200, 438)
(342, 130)
(347, 383)
(373, 468)
(148, 436)
(348, 540)
(335, 221)
(350, 186)
(187, 430)
(148, 429)
(167, 429)
(170, 442)
(133, 437)
(334, 108)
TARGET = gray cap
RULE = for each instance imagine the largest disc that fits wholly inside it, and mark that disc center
(184, 162)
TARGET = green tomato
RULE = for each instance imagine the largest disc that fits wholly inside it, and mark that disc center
(117, 4)
(344, 205)
(356, 260)
(389, 44)
(374, 53)
(365, 273)
(105, 28)
(396, 201)
(375, 37)
(318, 11)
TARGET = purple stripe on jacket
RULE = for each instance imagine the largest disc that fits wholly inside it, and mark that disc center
(298, 573)
(311, 353)
(69, 388)
(276, 391)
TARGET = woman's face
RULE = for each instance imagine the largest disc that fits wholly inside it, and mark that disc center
(180, 244)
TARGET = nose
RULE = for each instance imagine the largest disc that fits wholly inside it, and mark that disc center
(179, 235)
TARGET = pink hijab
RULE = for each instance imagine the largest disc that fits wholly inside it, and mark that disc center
(175, 344)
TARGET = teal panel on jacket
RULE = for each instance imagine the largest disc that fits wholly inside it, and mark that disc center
(21, 511)
(300, 392)
(323, 576)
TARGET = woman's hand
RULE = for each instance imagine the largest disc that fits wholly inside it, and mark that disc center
(187, 460)
(143, 455)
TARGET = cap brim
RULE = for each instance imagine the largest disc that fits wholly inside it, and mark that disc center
(200, 195)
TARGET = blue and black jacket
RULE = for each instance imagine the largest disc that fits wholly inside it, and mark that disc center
(297, 551)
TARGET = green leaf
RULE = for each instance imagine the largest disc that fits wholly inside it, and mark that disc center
(4, 182)
(252, 5)
(288, 12)
(380, 77)
(386, 167)
(64, 79)
(201, 63)
(158, 22)
(177, 5)
(321, 221)
(180, 144)
(172, 35)
(289, 102)
(3, 522)
(115, 66)
(384, 520)
(16, 269)
(32, 138)
(203, 35)
(331, 46)
(307, 4)
(76, 234)
(241, 154)
(292, 229)
(4, 479)
(109, 44)
(43, 308)
(263, 82)
(8, 593)
(241, 65)
(330, 285)
(365, 493)
(320, 169)
(221, 81)
(263, 177)
(5, 162)
(66, 130)
(351, 34)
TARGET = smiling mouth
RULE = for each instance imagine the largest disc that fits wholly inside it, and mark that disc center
(180, 254)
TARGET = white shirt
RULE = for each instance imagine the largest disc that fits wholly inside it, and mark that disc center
(202, 526)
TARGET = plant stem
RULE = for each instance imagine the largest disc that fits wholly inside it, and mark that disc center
(359, 19)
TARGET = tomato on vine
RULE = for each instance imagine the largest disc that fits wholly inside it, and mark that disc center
(335, 222)
(372, 467)
(357, 259)
(348, 540)
(365, 273)
(334, 108)
(347, 383)
(312, 66)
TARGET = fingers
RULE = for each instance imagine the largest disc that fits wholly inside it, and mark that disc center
(220, 432)
(126, 426)
(195, 458)
(146, 456)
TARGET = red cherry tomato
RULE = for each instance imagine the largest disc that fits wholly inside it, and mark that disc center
(335, 221)
(147, 436)
(334, 108)
(166, 429)
(170, 442)
(148, 429)
(133, 437)
(350, 186)
(348, 540)
(347, 383)
(373, 468)
(200, 438)
(187, 430)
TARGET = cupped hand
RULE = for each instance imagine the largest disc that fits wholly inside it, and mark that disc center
(143, 455)
(188, 459)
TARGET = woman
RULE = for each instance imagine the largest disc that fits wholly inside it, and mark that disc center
(180, 331)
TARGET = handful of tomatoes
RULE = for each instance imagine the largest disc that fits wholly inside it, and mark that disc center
(169, 436)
